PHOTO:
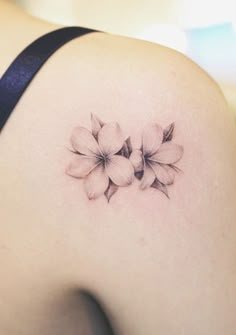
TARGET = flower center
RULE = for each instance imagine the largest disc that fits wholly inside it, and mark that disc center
(104, 159)
(146, 157)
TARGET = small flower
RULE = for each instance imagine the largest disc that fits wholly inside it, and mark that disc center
(97, 159)
(154, 161)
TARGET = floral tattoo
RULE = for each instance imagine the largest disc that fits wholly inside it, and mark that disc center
(106, 160)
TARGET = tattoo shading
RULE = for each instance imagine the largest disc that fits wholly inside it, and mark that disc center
(105, 159)
(154, 161)
(101, 158)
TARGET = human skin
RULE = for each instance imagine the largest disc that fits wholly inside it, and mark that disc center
(157, 265)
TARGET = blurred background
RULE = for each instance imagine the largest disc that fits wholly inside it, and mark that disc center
(204, 30)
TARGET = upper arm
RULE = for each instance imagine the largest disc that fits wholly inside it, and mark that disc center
(178, 253)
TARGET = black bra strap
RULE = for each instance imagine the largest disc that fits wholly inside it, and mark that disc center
(22, 70)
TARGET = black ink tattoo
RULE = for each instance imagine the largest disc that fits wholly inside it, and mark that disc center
(106, 160)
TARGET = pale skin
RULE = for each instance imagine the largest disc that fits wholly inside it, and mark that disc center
(158, 265)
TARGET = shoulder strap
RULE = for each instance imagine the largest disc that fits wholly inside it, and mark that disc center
(23, 69)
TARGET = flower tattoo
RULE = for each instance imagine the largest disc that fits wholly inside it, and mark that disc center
(99, 159)
(105, 159)
(154, 161)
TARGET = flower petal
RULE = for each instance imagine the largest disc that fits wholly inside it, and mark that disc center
(83, 142)
(111, 190)
(111, 138)
(96, 125)
(168, 132)
(168, 153)
(148, 178)
(127, 148)
(120, 170)
(163, 173)
(161, 187)
(136, 159)
(96, 183)
(152, 138)
(81, 165)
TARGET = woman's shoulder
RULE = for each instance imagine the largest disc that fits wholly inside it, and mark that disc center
(93, 243)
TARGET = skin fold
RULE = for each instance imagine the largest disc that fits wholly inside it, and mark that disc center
(155, 265)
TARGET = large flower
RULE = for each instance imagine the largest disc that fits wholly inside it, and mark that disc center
(153, 162)
(98, 159)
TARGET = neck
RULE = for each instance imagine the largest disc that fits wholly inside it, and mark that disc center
(12, 14)
(9, 12)
(17, 30)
